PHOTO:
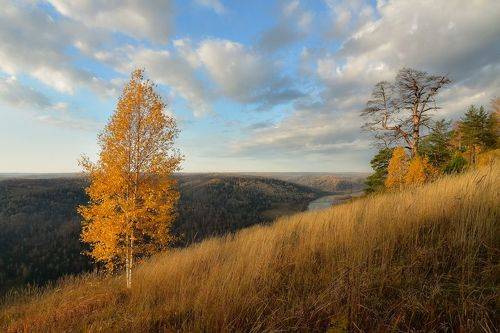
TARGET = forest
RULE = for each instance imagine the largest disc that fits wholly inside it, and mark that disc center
(40, 239)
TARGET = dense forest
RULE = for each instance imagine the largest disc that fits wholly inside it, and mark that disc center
(325, 181)
(40, 227)
(40, 230)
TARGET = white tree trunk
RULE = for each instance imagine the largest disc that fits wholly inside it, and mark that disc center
(126, 268)
(129, 262)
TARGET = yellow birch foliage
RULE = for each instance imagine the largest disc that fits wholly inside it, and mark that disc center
(396, 169)
(416, 172)
(420, 171)
(132, 194)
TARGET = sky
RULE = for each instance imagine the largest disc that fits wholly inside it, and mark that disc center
(254, 85)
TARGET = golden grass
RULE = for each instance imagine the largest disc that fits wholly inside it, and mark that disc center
(422, 259)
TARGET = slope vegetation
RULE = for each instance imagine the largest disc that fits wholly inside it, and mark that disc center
(40, 229)
(422, 259)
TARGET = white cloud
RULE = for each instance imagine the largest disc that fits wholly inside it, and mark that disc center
(294, 22)
(455, 37)
(310, 129)
(443, 36)
(26, 99)
(291, 7)
(215, 5)
(140, 19)
(371, 44)
(177, 72)
(61, 116)
(15, 94)
(347, 15)
(39, 49)
(243, 74)
(439, 37)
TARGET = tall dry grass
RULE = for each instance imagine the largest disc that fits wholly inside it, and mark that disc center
(422, 259)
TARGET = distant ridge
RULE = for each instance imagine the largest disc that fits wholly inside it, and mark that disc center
(20, 175)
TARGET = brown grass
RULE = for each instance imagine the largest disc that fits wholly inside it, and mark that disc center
(422, 259)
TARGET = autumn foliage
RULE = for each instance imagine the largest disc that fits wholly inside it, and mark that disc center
(132, 194)
(397, 168)
(419, 171)
(404, 171)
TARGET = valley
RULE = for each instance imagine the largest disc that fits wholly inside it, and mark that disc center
(40, 243)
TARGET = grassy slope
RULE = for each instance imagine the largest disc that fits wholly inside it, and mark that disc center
(425, 258)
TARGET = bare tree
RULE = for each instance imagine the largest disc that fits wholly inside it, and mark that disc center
(397, 112)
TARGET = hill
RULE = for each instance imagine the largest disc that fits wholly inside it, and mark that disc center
(424, 259)
(39, 238)
(323, 181)
(215, 204)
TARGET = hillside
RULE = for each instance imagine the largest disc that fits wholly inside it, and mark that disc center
(215, 204)
(39, 238)
(323, 181)
(424, 259)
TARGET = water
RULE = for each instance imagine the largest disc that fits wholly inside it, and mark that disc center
(331, 200)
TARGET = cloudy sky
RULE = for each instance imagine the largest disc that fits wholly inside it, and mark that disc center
(255, 85)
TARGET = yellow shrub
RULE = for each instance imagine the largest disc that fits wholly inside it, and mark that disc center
(397, 168)
(416, 171)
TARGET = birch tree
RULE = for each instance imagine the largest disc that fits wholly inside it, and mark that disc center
(132, 192)
(398, 111)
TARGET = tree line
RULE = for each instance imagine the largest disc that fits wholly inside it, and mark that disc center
(414, 147)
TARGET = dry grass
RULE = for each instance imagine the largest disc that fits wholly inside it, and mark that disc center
(422, 259)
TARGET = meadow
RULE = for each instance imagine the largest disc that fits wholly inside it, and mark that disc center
(420, 259)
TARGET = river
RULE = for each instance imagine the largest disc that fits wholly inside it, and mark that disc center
(331, 200)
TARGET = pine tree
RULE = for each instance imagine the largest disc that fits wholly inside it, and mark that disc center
(436, 145)
(397, 168)
(495, 120)
(456, 164)
(477, 131)
(379, 163)
(132, 194)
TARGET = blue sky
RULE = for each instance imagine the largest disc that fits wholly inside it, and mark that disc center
(254, 85)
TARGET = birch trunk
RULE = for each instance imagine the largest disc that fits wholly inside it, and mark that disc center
(127, 265)
(129, 262)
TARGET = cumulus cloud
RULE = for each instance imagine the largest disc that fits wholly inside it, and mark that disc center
(39, 49)
(293, 24)
(245, 75)
(310, 129)
(323, 83)
(175, 69)
(444, 37)
(176, 72)
(346, 16)
(207, 71)
(455, 37)
(140, 19)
